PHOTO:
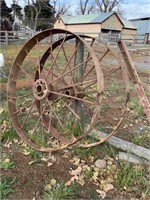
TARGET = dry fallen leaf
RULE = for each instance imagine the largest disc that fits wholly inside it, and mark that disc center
(1, 110)
(26, 152)
(48, 187)
(74, 178)
(65, 156)
(101, 193)
(53, 182)
(76, 171)
(31, 162)
(95, 176)
(15, 140)
(107, 187)
(44, 159)
(68, 183)
(75, 160)
(49, 164)
(81, 180)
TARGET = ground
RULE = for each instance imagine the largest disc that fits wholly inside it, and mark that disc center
(71, 173)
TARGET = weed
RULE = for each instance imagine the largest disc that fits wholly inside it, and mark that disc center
(7, 131)
(114, 86)
(59, 191)
(142, 140)
(132, 177)
(137, 107)
(9, 135)
(92, 194)
(35, 155)
(6, 187)
(6, 163)
(89, 172)
(84, 153)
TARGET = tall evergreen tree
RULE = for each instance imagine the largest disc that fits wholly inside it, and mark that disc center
(39, 15)
(6, 17)
(17, 11)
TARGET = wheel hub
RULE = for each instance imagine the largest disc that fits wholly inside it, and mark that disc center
(40, 89)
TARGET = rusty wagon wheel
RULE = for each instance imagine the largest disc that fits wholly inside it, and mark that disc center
(52, 90)
(116, 80)
(116, 93)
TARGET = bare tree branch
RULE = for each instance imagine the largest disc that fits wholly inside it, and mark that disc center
(85, 7)
(107, 5)
(61, 7)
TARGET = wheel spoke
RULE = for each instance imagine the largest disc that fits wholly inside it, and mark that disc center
(54, 59)
(27, 116)
(72, 111)
(66, 61)
(38, 61)
(72, 97)
(22, 96)
(55, 114)
(77, 84)
(94, 66)
(69, 71)
(31, 79)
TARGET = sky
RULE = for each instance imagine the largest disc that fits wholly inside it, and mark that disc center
(132, 9)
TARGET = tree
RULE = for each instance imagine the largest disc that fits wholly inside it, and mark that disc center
(61, 7)
(16, 10)
(107, 5)
(6, 17)
(85, 7)
(93, 6)
(39, 14)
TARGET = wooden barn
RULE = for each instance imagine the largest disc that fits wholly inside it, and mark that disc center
(96, 24)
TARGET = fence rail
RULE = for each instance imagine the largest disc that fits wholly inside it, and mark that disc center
(9, 37)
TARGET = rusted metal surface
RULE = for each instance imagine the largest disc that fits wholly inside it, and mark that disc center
(66, 85)
(48, 91)
(135, 78)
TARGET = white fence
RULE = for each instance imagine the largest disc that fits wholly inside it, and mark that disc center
(9, 37)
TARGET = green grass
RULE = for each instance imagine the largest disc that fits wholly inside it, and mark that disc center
(98, 151)
(142, 140)
(6, 163)
(132, 177)
(84, 153)
(137, 107)
(59, 191)
(6, 187)
(35, 155)
(92, 194)
(8, 132)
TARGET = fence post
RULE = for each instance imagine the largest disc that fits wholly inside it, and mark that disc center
(145, 38)
(134, 38)
(6, 37)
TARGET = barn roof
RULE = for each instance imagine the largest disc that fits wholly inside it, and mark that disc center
(86, 19)
(127, 24)
(79, 19)
(142, 25)
(93, 18)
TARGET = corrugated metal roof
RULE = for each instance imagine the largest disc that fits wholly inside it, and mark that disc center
(93, 18)
(127, 24)
(143, 26)
(102, 17)
(65, 18)
(79, 19)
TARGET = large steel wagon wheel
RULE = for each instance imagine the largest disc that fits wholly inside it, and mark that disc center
(116, 93)
(113, 69)
(52, 90)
